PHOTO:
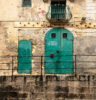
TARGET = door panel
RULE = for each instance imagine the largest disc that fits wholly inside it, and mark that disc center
(52, 42)
(51, 46)
(51, 62)
(24, 56)
(58, 55)
(67, 50)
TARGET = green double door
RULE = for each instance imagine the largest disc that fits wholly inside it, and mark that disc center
(24, 56)
(59, 51)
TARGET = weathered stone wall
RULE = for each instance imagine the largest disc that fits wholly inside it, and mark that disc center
(50, 88)
(15, 12)
(84, 44)
(18, 23)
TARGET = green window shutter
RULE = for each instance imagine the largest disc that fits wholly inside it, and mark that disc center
(54, 11)
(58, 10)
(24, 56)
(26, 3)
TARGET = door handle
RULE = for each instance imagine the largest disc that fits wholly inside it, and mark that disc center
(51, 55)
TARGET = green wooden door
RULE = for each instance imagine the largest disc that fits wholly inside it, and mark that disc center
(24, 56)
(58, 42)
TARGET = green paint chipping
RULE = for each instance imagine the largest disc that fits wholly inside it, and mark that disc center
(26, 3)
(24, 56)
(58, 42)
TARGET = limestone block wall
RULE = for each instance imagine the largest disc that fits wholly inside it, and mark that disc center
(51, 88)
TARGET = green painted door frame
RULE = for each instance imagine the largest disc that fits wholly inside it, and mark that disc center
(24, 56)
(58, 42)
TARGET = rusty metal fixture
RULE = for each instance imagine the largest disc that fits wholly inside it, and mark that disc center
(83, 19)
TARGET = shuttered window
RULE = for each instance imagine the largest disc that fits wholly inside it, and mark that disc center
(26, 3)
(24, 56)
(58, 9)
